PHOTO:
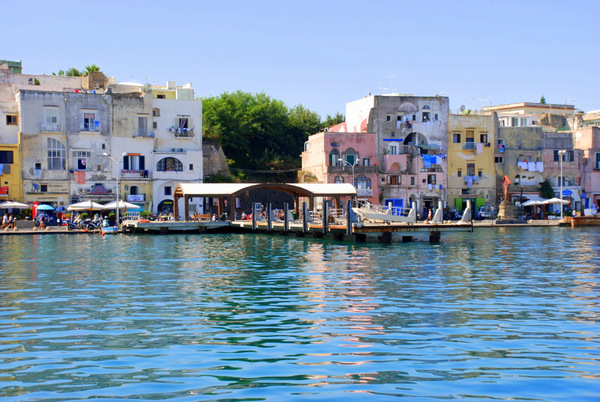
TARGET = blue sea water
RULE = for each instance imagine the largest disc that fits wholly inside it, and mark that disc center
(497, 314)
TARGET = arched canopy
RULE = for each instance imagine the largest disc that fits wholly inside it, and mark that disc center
(234, 189)
(230, 190)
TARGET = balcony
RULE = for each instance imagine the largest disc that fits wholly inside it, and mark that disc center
(88, 127)
(136, 198)
(51, 128)
(348, 169)
(142, 133)
(470, 146)
(182, 132)
(390, 159)
(364, 192)
(135, 174)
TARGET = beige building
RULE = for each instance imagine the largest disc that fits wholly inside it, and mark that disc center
(471, 161)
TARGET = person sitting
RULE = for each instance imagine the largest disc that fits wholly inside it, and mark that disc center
(5, 222)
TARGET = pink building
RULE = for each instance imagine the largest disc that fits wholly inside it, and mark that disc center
(587, 139)
(335, 156)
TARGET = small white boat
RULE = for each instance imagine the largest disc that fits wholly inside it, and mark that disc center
(110, 229)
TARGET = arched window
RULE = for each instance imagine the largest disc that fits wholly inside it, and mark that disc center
(362, 182)
(334, 155)
(133, 190)
(57, 155)
(339, 179)
(350, 156)
(169, 165)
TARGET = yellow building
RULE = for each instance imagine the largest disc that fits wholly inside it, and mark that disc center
(10, 173)
(471, 170)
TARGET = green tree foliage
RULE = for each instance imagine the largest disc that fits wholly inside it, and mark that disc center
(333, 120)
(543, 100)
(90, 68)
(73, 72)
(547, 191)
(257, 132)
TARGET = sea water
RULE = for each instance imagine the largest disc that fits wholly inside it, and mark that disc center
(497, 314)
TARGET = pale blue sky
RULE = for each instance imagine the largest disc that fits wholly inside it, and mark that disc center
(323, 54)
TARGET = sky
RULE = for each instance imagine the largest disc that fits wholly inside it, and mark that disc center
(322, 54)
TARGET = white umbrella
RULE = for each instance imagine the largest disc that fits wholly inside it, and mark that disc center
(532, 203)
(14, 205)
(122, 205)
(557, 201)
(86, 206)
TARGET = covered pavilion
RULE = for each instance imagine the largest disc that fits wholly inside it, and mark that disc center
(229, 191)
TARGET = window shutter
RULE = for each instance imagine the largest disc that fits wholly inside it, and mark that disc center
(126, 163)
(142, 164)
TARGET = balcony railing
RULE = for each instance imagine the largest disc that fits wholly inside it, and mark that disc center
(348, 169)
(51, 127)
(471, 146)
(135, 174)
(142, 133)
(364, 192)
(96, 127)
(136, 198)
(183, 132)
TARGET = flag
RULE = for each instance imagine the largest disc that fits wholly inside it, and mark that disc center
(34, 210)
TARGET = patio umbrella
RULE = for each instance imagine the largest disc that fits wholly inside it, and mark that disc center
(45, 207)
(14, 205)
(86, 206)
(557, 201)
(532, 203)
(122, 205)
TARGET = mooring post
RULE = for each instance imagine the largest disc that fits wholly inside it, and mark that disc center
(254, 204)
(286, 220)
(304, 217)
(269, 217)
(349, 214)
(325, 216)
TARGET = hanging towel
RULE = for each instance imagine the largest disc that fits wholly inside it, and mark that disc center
(479, 148)
(531, 166)
(539, 166)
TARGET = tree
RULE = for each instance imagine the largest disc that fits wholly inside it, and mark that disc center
(543, 100)
(73, 72)
(333, 120)
(257, 132)
(90, 68)
(547, 191)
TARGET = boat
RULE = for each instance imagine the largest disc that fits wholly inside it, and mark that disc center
(110, 229)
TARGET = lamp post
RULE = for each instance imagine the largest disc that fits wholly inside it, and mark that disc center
(116, 161)
(352, 165)
(561, 155)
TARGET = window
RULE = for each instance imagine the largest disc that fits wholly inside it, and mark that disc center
(480, 173)
(393, 133)
(459, 173)
(38, 166)
(191, 166)
(597, 160)
(412, 180)
(483, 137)
(133, 190)
(334, 155)
(43, 188)
(154, 125)
(456, 138)
(470, 169)
(51, 115)
(81, 157)
(362, 182)
(350, 156)
(465, 191)
(430, 179)
(89, 121)
(366, 162)
(183, 123)
(167, 190)
(394, 180)
(569, 156)
(169, 165)
(142, 126)
(426, 116)
(57, 155)
(499, 159)
(388, 117)
(161, 97)
(435, 117)
(514, 122)
(393, 150)
(470, 136)
(155, 112)
(11, 120)
(6, 157)
(134, 162)
(339, 179)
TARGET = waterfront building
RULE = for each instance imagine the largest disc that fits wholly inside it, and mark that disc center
(471, 161)
(411, 139)
(337, 156)
(587, 139)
